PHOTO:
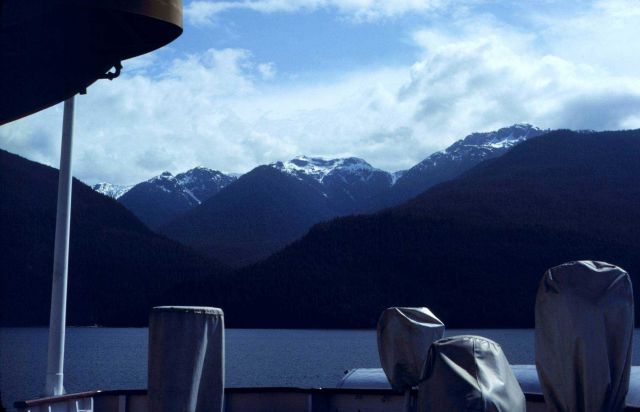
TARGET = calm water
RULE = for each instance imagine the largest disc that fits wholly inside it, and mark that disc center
(106, 358)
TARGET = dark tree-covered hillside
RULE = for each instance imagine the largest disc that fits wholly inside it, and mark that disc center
(260, 213)
(118, 267)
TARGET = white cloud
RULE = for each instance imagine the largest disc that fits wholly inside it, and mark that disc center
(209, 109)
(202, 12)
(468, 82)
(267, 70)
(603, 35)
(219, 109)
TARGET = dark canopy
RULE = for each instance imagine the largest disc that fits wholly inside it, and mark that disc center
(53, 49)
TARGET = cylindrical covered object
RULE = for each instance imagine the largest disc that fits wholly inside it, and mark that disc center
(404, 337)
(584, 334)
(186, 359)
(468, 373)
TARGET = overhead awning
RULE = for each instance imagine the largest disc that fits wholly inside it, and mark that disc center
(51, 50)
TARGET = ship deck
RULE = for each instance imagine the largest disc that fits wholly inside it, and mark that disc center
(361, 390)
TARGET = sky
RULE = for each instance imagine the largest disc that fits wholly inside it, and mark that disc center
(255, 81)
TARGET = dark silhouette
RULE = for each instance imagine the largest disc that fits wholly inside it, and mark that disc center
(118, 267)
(163, 198)
(472, 249)
(266, 209)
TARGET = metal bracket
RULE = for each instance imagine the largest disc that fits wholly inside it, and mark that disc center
(117, 68)
(112, 75)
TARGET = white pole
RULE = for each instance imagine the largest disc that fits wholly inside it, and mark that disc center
(58, 314)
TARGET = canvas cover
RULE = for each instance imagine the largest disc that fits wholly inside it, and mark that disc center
(186, 359)
(404, 337)
(468, 373)
(527, 376)
(584, 333)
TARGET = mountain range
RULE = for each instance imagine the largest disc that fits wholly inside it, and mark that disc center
(472, 249)
(244, 220)
(164, 197)
(275, 204)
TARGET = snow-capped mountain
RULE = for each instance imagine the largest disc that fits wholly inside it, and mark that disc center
(355, 186)
(165, 196)
(201, 183)
(111, 190)
(457, 159)
(274, 204)
(481, 146)
(320, 168)
(346, 182)
(170, 184)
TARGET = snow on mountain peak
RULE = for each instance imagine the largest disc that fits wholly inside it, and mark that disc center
(164, 176)
(111, 190)
(501, 138)
(201, 182)
(319, 167)
(199, 175)
(484, 144)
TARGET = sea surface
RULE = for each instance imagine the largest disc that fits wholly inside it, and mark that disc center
(114, 358)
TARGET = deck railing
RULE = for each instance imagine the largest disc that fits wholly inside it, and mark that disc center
(92, 401)
(250, 399)
(283, 399)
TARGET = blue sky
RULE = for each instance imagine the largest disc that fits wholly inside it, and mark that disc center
(252, 82)
(306, 43)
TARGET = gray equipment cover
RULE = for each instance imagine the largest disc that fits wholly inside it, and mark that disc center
(404, 336)
(186, 359)
(468, 373)
(584, 333)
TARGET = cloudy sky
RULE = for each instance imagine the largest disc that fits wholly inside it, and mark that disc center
(254, 81)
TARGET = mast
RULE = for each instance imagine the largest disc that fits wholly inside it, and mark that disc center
(57, 320)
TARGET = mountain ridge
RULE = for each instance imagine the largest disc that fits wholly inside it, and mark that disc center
(164, 197)
(315, 189)
(460, 156)
(349, 185)
(472, 249)
(248, 220)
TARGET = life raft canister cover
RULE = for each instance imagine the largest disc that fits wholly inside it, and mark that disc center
(584, 336)
(404, 337)
(468, 373)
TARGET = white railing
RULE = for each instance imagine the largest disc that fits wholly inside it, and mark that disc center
(249, 400)
(94, 401)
